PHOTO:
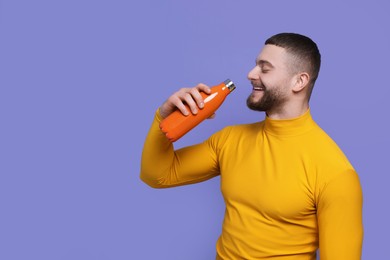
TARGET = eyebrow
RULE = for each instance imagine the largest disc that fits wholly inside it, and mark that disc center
(264, 62)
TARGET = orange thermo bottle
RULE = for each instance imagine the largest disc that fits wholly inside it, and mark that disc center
(176, 124)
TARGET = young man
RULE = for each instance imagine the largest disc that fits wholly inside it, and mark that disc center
(288, 188)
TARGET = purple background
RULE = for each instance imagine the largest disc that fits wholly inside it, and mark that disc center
(81, 80)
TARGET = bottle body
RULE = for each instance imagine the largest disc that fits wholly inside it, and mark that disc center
(176, 124)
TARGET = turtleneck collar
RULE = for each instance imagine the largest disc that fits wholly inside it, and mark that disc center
(291, 126)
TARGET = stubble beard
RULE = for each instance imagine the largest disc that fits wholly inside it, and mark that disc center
(271, 99)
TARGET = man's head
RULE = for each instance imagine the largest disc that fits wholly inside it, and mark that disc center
(285, 71)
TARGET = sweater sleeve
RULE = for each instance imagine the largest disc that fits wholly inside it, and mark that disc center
(340, 218)
(163, 167)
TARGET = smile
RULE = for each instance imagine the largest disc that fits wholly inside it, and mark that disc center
(258, 88)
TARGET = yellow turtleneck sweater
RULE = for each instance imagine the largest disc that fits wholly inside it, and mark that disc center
(287, 186)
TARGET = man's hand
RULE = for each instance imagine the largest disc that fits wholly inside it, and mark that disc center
(185, 96)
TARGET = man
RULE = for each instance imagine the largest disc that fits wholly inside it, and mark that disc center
(288, 188)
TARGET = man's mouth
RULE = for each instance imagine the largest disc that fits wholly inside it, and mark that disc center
(258, 88)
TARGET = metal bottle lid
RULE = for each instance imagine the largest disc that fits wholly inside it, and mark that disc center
(229, 84)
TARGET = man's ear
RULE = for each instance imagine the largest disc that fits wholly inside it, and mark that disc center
(301, 81)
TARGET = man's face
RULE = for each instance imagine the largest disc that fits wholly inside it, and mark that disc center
(271, 80)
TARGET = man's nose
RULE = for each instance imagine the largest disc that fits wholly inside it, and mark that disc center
(254, 74)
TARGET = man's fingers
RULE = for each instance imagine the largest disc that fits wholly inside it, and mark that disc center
(180, 105)
(191, 99)
(204, 88)
(197, 96)
(186, 100)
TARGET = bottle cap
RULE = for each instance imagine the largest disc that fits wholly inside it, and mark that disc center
(229, 84)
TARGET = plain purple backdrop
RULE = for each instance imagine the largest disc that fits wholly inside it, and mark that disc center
(80, 82)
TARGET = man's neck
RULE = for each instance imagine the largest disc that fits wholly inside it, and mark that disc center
(288, 111)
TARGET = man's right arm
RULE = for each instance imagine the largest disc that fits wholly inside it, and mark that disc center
(161, 165)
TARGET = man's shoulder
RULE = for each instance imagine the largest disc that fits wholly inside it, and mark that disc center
(327, 152)
(321, 138)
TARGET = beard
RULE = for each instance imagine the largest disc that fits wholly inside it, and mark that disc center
(271, 99)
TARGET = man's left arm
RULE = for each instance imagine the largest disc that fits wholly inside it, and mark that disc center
(339, 214)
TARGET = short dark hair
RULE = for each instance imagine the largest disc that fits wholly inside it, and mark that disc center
(305, 52)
